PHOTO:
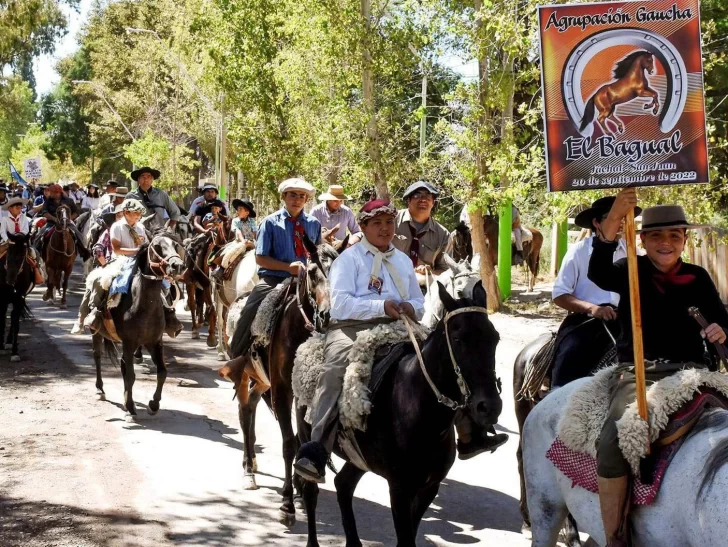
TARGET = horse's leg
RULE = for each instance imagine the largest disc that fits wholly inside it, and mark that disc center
(138, 356)
(284, 404)
(18, 304)
(157, 353)
(310, 500)
(547, 516)
(221, 331)
(603, 105)
(571, 531)
(129, 378)
(247, 423)
(192, 305)
(66, 278)
(655, 103)
(98, 343)
(422, 503)
(613, 116)
(211, 317)
(3, 314)
(345, 482)
(402, 501)
(48, 295)
(523, 408)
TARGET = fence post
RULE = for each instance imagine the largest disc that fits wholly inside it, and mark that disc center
(559, 244)
(505, 223)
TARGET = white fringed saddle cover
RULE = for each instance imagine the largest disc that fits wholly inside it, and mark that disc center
(354, 403)
(587, 409)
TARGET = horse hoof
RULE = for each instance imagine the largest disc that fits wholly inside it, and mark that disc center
(211, 343)
(286, 519)
(138, 360)
(195, 335)
(100, 396)
(526, 530)
(249, 482)
(221, 356)
(62, 305)
(153, 407)
(130, 418)
(15, 358)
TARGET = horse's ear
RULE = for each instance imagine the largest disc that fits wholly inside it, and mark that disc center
(454, 266)
(341, 247)
(447, 300)
(310, 246)
(475, 263)
(479, 296)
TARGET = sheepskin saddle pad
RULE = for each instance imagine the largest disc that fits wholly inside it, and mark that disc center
(270, 308)
(370, 358)
(587, 409)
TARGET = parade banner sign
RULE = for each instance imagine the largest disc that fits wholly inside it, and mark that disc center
(623, 94)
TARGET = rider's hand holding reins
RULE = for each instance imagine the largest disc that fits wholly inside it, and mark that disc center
(714, 333)
(295, 267)
(605, 313)
(395, 311)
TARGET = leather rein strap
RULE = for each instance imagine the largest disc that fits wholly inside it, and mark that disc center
(720, 348)
(462, 385)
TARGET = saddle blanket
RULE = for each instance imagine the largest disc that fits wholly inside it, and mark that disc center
(581, 468)
(587, 409)
(265, 319)
(354, 404)
(526, 235)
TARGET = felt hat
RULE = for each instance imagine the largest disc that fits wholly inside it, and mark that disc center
(110, 217)
(132, 206)
(112, 183)
(335, 192)
(139, 172)
(375, 208)
(14, 201)
(666, 217)
(57, 188)
(598, 209)
(214, 203)
(210, 187)
(247, 204)
(421, 185)
(296, 184)
(120, 192)
(92, 185)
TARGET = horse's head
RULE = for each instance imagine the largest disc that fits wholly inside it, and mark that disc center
(463, 279)
(63, 214)
(647, 62)
(472, 340)
(321, 257)
(164, 255)
(15, 257)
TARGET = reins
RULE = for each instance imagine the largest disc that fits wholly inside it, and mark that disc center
(65, 230)
(160, 264)
(462, 384)
(302, 281)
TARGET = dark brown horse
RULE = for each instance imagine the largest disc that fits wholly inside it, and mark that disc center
(60, 256)
(463, 246)
(631, 83)
(16, 281)
(305, 309)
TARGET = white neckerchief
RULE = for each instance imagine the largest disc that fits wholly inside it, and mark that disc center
(380, 257)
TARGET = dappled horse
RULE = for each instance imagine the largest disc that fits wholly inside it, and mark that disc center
(409, 438)
(531, 249)
(60, 254)
(138, 319)
(305, 309)
(16, 281)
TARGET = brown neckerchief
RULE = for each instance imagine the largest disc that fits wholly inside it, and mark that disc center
(135, 236)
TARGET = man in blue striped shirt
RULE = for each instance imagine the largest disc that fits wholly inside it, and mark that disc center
(279, 253)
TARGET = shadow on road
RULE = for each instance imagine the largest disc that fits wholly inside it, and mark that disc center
(26, 523)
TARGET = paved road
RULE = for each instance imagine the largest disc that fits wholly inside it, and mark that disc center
(75, 473)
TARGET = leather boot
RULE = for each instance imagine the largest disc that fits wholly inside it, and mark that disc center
(473, 440)
(613, 495)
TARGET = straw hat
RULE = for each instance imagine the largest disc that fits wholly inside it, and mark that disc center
(14, 201)
(335, 192)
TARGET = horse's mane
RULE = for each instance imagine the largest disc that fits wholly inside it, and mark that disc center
(621, 68)
(141, 258)
(715, 420)
(462, 228)
(163, 232)
(327, 251)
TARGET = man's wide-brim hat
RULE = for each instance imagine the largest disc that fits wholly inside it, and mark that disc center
(111, 183)
(421, 185)
(93, 185)
(215, 203)
(247, 204)
(296, 184)
(666, 217)
(598, 209)
(335, 193)
(209, 187)
(139, 172)
(14, 201)
(120, 192)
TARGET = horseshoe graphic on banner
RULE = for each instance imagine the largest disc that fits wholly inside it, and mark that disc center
(672, 62)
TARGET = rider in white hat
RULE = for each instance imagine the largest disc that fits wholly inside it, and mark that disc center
(334, 216)
(280, 252)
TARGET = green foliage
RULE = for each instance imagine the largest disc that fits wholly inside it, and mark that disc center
(16, 112)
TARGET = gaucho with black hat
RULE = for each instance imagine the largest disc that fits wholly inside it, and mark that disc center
(588, 332)
(155, 200)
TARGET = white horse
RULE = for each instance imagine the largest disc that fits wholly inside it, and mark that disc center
(458, 281)
(224, 293)
(689, 510)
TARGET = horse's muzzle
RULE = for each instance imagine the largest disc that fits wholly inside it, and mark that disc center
(486, 410)
(175, 267)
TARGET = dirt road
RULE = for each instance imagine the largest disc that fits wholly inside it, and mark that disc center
(74, 473)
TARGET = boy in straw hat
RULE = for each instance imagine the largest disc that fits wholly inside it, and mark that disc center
(371, 283)
(672, 339)
(334, 216)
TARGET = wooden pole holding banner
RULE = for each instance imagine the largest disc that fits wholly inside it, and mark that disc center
(634, 301)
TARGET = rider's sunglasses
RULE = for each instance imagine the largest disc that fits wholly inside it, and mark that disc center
(296, 195)
(422, 195)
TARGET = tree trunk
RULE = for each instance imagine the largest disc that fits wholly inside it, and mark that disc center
(373, 139)
(480, 246)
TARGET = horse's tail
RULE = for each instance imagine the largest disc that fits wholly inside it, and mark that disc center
(588, 114)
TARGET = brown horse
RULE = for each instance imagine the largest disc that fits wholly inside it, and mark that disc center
(198, 286)
(631, 83)
(60, 256)
(304, 310)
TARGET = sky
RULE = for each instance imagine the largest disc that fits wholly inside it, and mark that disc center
(44, 67)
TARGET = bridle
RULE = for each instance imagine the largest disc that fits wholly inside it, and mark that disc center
(63, 221)
(462, 384)
(161, 262)
(303, 281)
(429, 275)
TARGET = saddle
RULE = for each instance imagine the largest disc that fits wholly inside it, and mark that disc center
(674, 405)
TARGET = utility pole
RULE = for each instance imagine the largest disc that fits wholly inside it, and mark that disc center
(223, 150)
